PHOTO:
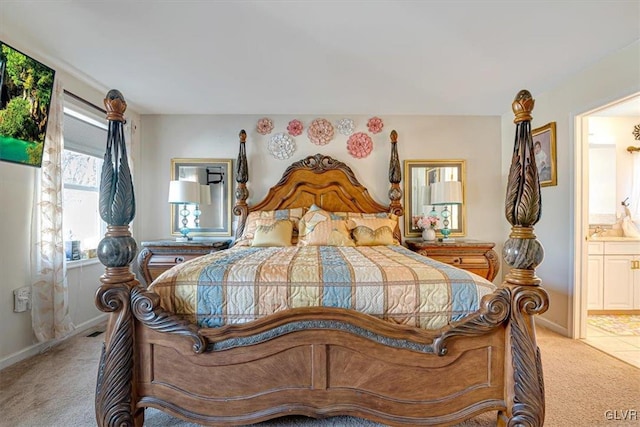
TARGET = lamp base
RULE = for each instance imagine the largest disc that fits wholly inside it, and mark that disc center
(184, 239)
(447, 240)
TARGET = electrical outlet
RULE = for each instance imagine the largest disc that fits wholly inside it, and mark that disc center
(22, 299)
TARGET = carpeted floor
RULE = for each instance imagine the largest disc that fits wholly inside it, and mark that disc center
(55, 389)
(619, 324)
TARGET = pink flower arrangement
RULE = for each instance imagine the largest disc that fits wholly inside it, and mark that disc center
(427, 222)
(264, 126)
(295, 127)
(320, 131)
(375, 124)
(359, 145)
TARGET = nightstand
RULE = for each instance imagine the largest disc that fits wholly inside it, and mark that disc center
(159, 256)
(472, 255)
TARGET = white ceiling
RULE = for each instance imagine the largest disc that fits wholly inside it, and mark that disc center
(318, 57)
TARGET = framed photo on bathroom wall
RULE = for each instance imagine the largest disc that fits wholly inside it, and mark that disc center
(544, 148)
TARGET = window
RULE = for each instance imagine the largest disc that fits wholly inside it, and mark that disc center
(81, 218)
(81, 168)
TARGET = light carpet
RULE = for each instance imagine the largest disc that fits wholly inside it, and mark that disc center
(619, 324)
(56, 389)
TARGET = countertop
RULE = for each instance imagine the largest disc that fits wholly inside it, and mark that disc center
(614, 239)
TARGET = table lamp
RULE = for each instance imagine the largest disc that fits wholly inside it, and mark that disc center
(184, 193)
(446, 193)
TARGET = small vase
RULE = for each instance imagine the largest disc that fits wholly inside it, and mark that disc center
(429, 234)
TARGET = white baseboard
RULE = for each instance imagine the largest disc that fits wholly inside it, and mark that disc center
(546, 323)
(44, 346)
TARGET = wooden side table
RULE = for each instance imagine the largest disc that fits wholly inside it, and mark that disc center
(472, 255)
(158, 256)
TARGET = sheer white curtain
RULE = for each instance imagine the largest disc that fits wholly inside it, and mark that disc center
(50, 294)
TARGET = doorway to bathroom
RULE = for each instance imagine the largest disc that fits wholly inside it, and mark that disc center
(607, 226)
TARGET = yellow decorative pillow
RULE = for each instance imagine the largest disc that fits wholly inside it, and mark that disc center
(251, 224)
(373, 231)
(273, 233)
(326, 233)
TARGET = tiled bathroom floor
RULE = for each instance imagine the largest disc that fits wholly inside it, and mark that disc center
(623, 347)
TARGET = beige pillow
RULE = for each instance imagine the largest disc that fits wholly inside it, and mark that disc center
(251, 224)
(330, 232)
(273, 233)
(373, 231)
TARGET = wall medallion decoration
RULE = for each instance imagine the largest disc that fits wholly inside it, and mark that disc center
(375, 124)
(346, 126)
(281, 146)
(320, 131)
(295, 127)
(359, 145)
(636, 132)
(264, 126)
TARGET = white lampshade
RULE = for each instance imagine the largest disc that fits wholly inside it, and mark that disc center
(184, 192)
(205, 195)
(446, 193)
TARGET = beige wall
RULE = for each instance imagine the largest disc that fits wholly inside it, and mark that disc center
(612, 78)
(474, 139)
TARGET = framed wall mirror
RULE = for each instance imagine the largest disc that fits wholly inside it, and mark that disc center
(212, 215)
(419, 177)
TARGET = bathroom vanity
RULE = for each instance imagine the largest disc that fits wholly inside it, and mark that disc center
(614, 274)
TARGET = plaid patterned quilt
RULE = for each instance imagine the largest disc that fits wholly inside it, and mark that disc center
(390, 282)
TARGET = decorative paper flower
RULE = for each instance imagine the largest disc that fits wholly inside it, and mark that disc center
(427, 222)
(346, 126)
(636, 132)
(264, 126)
(295, 127)
(375, 124)
(281, 146)
(359, 145)
(320, 131)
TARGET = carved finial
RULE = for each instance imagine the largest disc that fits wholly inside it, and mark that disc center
(523, 203)
(395, 176)
(115, 105)
(522, 106)
(243, 136)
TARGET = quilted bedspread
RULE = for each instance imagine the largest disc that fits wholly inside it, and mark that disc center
(390, 282)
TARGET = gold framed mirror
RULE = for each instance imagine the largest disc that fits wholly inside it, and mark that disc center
(419, 177)
(212, 216)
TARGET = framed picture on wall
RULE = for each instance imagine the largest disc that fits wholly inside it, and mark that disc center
(544, 147)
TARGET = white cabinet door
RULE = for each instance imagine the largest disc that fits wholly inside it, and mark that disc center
(618, 279)
(595, 282)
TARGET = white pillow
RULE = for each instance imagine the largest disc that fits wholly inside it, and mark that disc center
(629, 228)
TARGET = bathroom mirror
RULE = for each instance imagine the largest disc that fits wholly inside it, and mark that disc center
(212, 216)
(419, 175)
(603, 203)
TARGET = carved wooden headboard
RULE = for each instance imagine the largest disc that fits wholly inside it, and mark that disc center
(320, 180)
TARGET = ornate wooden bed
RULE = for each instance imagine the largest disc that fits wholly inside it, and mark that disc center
(342, 362)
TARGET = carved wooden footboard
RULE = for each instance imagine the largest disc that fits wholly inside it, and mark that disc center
(319, 361)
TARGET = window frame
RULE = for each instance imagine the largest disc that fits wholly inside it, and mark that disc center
(81, 114)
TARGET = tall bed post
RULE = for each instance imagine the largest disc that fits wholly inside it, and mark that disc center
(241, 208)
(114, 403)
(523, 253)
(395, 176)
